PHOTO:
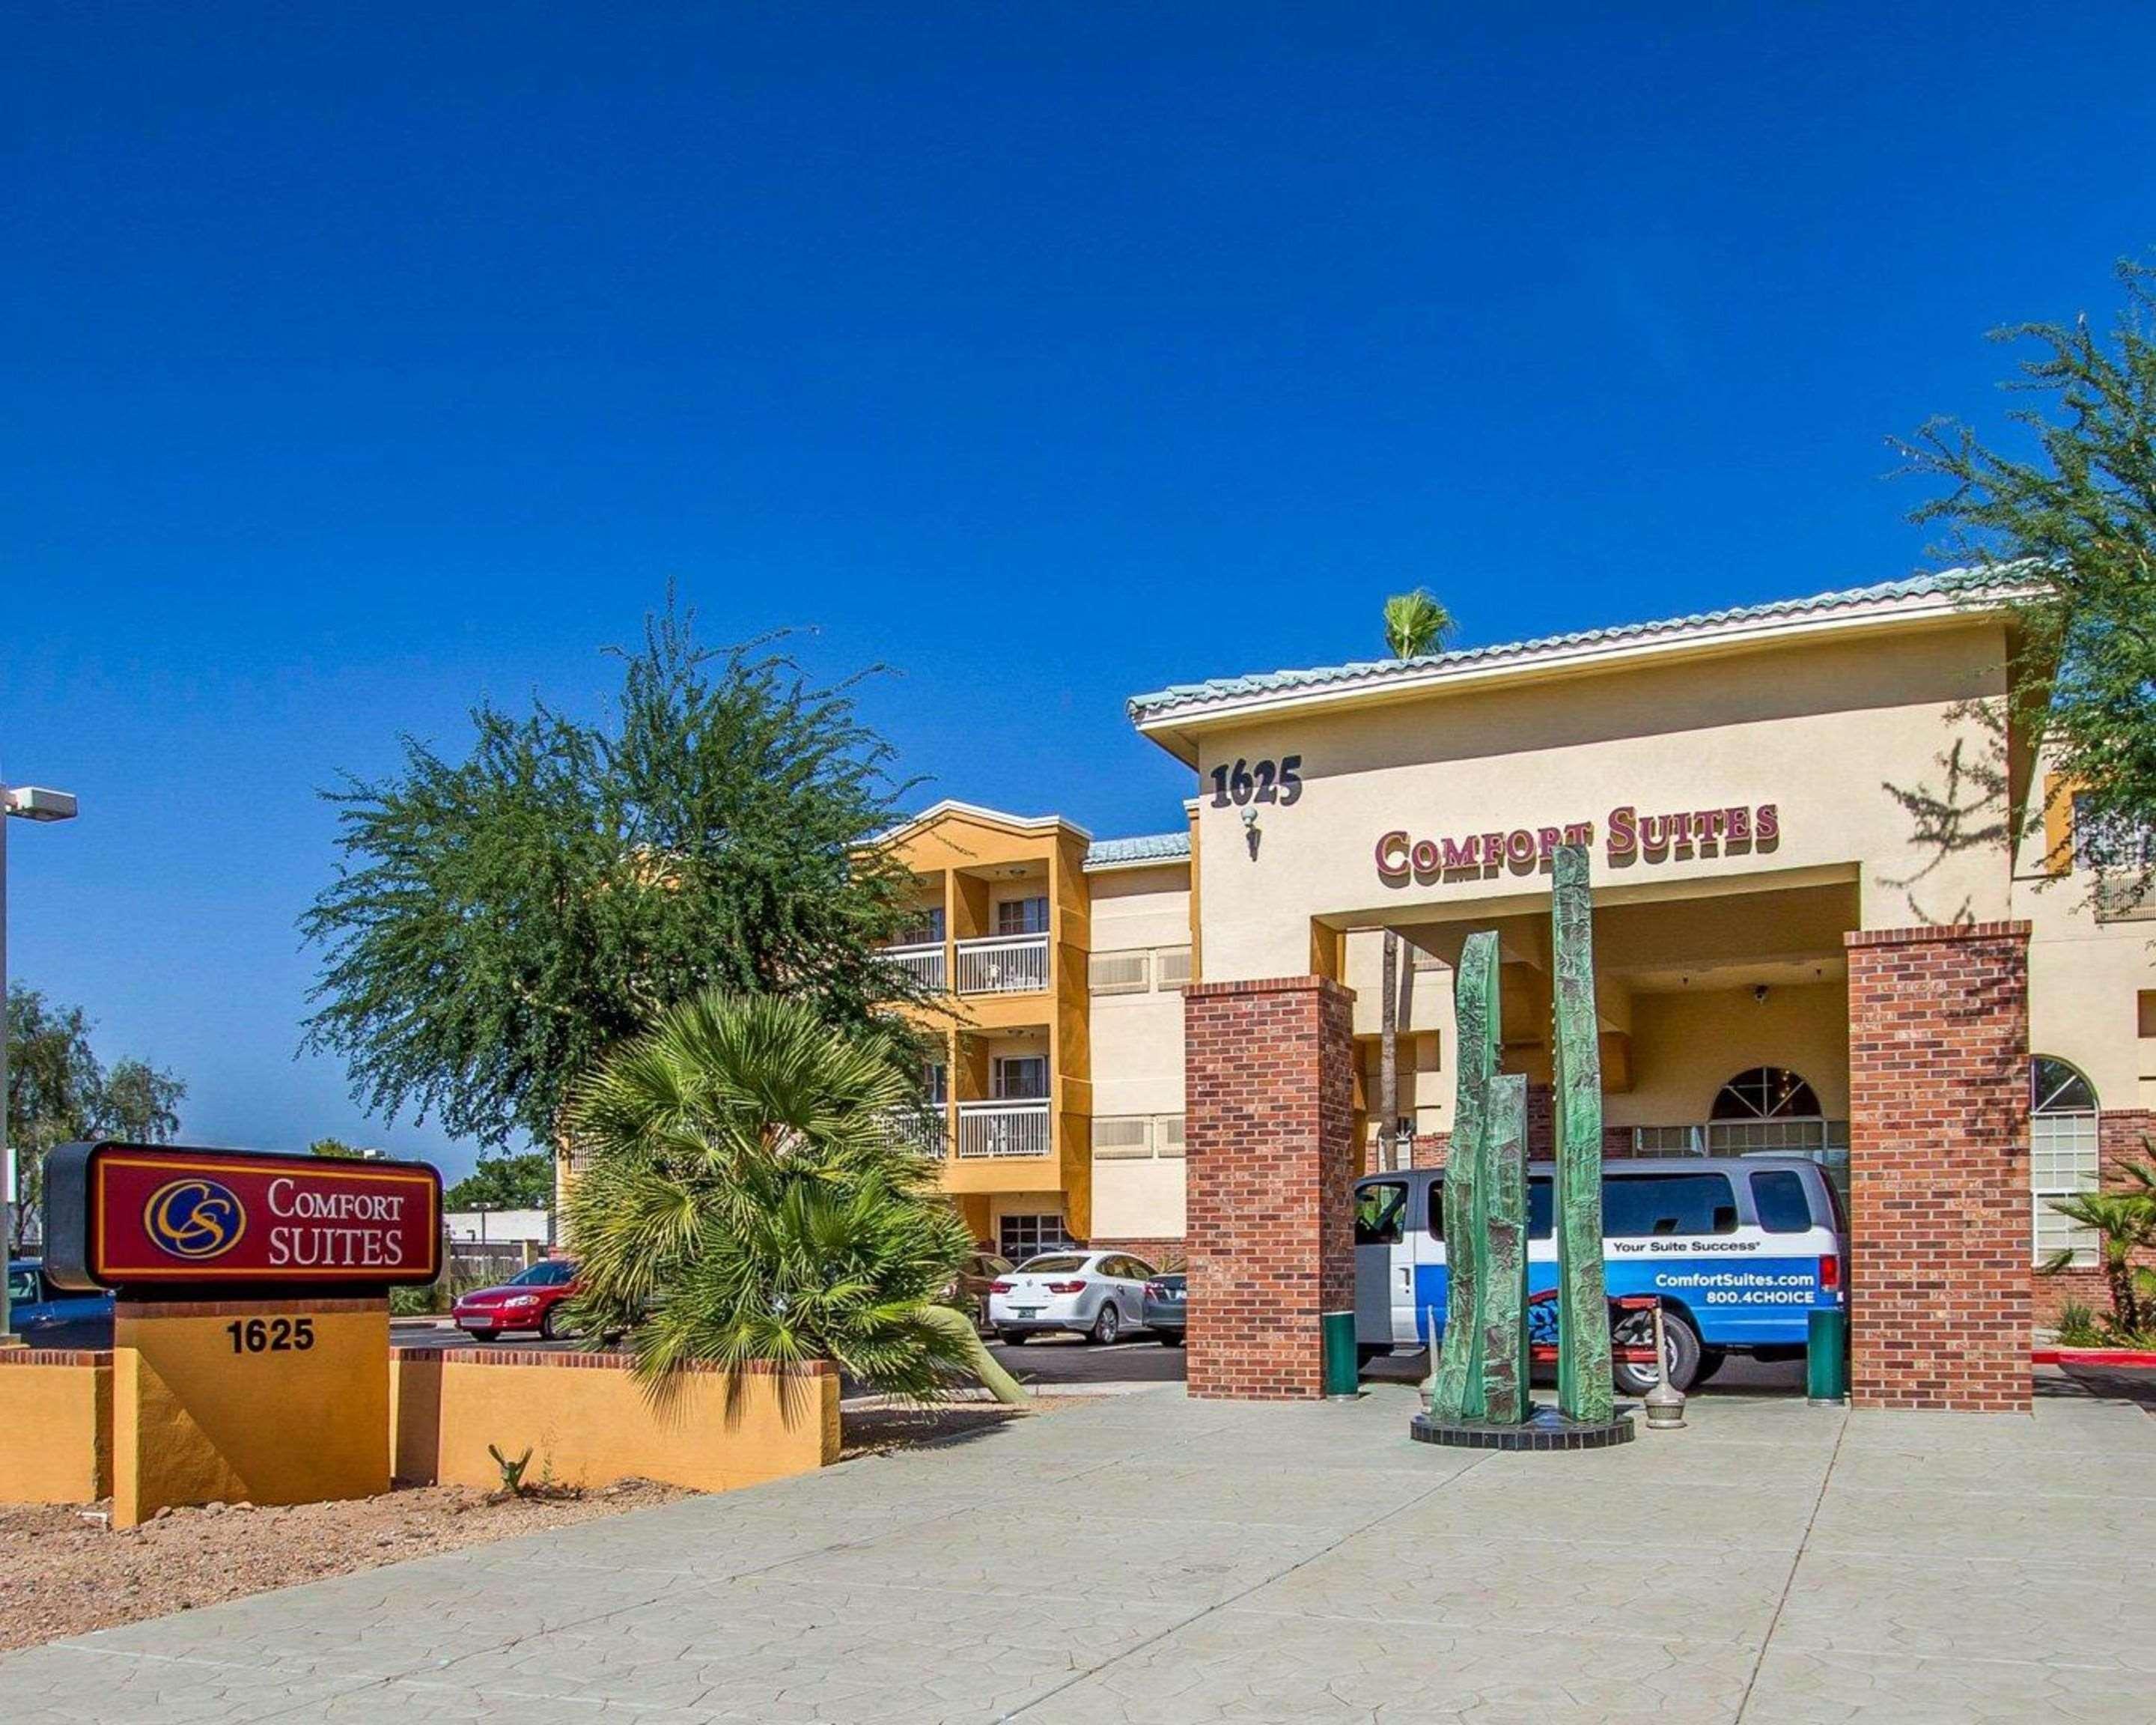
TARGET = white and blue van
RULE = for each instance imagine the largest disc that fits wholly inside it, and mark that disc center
(1739, 1249)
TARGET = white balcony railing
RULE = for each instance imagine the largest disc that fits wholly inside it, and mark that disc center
(1008, 964)
(1003, 1129)
(923, 962)
(926, 1129)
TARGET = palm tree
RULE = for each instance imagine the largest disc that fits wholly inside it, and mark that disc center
(1416, 625)
(2124, 1223)
(745, 1196)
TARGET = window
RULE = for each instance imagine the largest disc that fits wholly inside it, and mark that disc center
(1168, 1135)
(935, 1083)
(1121, 1138)
(1022, 915)
(1019, 1078)
(2063, 1155)
(1059, 1265)
(1172, 969)
(923, 928)
(548, 1273)
(1018, 1238)
(22, 1285)
(1119, 972)
(1663, 1206)
(1765, 1093)
(1779, 1195)
(1378, 1213)
(1437, 1210)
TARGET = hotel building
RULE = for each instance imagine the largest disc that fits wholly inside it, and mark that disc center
(1171, 1042)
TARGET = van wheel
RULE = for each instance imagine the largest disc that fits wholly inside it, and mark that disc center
(1365, 1352)
(1711, 1361)
(1680, 1350)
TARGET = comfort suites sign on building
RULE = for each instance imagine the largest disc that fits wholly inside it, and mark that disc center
(152, 1215)
(1628, 837)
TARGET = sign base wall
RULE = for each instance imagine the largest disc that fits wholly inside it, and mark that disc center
(248, 1401)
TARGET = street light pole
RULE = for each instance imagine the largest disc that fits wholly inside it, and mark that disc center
(26, 802)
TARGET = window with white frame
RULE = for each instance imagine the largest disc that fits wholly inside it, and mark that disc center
(1020, 1237)
(1022, 915)
(2063, 1156)
(1168, 1135)
(1018, 1078)
(1172, 968)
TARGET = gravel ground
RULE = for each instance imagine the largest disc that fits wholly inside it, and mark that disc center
(63, 1573)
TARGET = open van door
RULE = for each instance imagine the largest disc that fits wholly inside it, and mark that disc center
(1385, 1271)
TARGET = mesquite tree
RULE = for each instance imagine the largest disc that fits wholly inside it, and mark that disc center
(503, 918)
(2074, 527)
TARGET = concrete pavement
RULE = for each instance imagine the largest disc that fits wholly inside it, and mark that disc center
(1154, 1561)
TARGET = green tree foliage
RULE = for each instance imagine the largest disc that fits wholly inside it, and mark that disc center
(2077, 524)
(2124, 1222)
(335, 1149)
(506, 1183)
(743, 1196)
(501, 920)
(1416, 623)
(58, 1090)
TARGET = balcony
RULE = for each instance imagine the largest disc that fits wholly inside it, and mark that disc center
(925, 1129)
(1008, 964)
(923, 962)
(1003, 1129)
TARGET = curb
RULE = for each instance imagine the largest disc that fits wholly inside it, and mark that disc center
(2092, 1357)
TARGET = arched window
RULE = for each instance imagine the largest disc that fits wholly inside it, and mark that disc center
(2064, 1157)
(1765, 1093)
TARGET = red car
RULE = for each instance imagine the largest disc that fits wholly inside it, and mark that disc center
(526, 1302)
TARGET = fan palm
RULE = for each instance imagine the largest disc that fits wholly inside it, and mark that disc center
(744, 1197)
(1416, 623)
(2124, 1223)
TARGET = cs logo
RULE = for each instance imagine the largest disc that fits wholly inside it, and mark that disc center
(194, 1219)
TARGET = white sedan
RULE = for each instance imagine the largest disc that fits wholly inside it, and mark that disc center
(1096, 1294)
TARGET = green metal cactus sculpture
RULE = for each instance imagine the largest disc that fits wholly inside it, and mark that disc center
(1480, 1381)
(1583, 1391)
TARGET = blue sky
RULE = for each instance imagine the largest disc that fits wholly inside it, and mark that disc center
(363, 362)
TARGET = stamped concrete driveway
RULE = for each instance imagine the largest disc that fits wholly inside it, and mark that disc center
(1153, 1561)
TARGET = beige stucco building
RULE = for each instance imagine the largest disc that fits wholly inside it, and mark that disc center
(1735, 776)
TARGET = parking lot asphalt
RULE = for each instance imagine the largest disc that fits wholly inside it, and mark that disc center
(1153, 1560)
(1050, 1362)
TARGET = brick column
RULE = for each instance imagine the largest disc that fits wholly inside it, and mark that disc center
(1268, 1135)
(1939, 1167)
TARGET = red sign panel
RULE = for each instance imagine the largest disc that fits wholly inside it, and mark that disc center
(154, 1215)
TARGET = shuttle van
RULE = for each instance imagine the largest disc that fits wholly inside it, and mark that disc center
(1740, 1249)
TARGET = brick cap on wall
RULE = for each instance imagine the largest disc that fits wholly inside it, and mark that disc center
(1936, 931)
(1269, 985)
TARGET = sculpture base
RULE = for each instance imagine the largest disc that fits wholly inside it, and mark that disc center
(1546, 1429)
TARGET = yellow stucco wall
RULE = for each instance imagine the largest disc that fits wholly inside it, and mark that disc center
(1686, 1045)
(587, 1421)
(195, 1420)
(56, 1426)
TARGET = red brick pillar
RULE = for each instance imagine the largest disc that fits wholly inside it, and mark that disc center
(1938, 1167)
(1268, 1135)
